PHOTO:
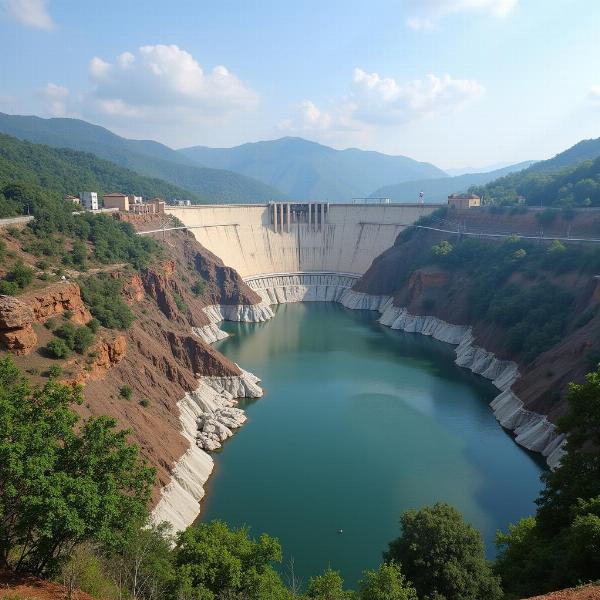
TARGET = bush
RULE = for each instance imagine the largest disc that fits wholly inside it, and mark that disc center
(145, 402)
(54, 372)
(58, 349)
(9, 288)
(102, 294)
(181, 305)
(126, 392)
(94, 325)
(21, 275)
(76, 338)
(198, 287)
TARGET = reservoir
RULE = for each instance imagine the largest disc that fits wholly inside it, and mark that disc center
(359, 423)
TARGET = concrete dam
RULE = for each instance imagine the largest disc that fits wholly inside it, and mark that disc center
(314, 243)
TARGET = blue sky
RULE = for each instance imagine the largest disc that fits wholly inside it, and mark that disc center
(454, 82)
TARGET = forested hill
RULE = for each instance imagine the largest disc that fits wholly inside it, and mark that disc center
(146, 157)
(437, 190)
(306, 170)
(65, 171)
(575, 185)
(584, 150)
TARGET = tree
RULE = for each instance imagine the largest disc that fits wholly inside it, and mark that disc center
(560, 547)
(443, 556)
(212, 559)
(61, 483)
(387, 583)
(329, 586)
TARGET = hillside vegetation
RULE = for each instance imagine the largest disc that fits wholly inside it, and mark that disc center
(145, 157)
(437, 190)
(571, 178)
(63, 171)
(306, 170)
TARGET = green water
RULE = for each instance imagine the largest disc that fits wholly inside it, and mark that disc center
(358, 423)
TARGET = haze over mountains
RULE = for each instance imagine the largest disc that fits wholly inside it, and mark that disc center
(437, 190)
(283, 169)
(306, 170)
(143, 156)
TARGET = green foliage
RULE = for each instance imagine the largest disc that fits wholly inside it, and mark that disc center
(181, 305)
(61, 483)
(329, 586)
(533, 318)
(573, 185)
(76, 338)
(387, 583)
(145, 402)
(198, 287)
(559, 547)
(17, 279)
(85, 570)
(443, 556)
(212, 559)
(58, 348)
(126, 392)
(61, 171)
(102, 294)
(55, 371)
(442, 249)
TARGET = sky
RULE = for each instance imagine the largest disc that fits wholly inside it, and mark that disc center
(459, 83)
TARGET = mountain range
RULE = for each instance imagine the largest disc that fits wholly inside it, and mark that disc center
(146, 157)
(437, 190)
(306, 170)
(284, 169)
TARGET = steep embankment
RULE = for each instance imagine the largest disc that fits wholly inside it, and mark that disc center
(159, 378)
(532, 306)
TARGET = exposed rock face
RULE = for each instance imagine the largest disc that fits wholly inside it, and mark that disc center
(16, 332)
(208, 416)
(57, 299)
(108, 354)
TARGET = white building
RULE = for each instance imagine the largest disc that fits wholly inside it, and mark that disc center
(89, 200)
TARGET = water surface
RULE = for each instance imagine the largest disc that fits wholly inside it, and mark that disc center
(359, 423)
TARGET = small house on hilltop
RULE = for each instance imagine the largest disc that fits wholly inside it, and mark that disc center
(464, 201)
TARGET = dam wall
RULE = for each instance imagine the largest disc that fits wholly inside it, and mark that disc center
(284, 237)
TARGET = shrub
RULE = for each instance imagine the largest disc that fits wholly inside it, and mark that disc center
(126, 392)
(21, 275)
(55, 371)
(51, 324)
(145, 402)
(198, 287)
(181, 305)
(94, 325)
(102, 294)
(58, 349)
(9, 288)
(442, 249)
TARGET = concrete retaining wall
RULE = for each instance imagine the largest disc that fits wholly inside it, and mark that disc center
(244, 238)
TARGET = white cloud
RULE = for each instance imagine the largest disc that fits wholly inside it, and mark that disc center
(424, 14)
(161, 78)
(57, 96)
(376, 101)
(33, 13)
